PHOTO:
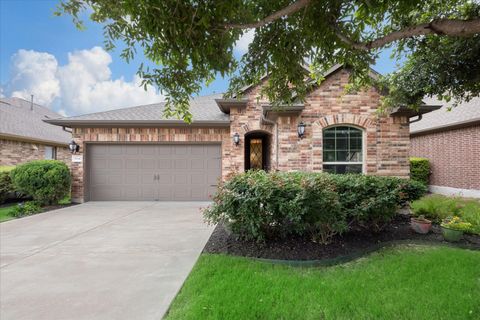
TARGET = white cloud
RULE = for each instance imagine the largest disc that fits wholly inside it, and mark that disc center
(33, 73)
(242, 44)
(83, 85)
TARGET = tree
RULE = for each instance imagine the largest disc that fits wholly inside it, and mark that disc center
(192, 41)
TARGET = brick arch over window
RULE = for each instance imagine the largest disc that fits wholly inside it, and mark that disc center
(367, 124)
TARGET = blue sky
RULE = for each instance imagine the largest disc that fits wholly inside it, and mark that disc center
(32, 38)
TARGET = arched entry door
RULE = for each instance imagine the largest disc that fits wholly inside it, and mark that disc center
(257, 151)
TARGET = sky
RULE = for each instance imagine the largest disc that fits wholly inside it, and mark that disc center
(68, 70)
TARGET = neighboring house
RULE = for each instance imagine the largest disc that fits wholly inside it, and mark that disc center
(134, 154)
(451, 140)
(24, 136)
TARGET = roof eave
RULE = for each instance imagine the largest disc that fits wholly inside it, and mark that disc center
(137, 123)
(226, 104)
(273, 112)
(445, 127)
(7, 136)
(409, 112)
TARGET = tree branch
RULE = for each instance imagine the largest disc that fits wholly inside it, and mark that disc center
(447, 27)
(288, 10)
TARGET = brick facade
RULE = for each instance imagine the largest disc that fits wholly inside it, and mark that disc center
(386, 138)
(454, 156)
(386, 145)
(14, 152)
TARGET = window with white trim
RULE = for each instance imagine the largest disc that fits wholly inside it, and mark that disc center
(50, 153)
(343, 150)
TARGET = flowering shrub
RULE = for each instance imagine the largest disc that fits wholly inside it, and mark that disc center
(456, 223)
(258, 206)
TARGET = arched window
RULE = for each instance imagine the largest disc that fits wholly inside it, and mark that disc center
(343, 150)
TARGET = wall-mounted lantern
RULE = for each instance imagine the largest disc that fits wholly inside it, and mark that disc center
(74, 147)
(301, 130)
(236, 138)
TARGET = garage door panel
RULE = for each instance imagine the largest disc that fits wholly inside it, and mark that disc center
(153, 172)
(165, 178)
(147, 164)
(114, 164)
(132, 164)
(114, 179)
(164, 164)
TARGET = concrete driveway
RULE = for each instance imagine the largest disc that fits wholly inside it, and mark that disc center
(99, 260)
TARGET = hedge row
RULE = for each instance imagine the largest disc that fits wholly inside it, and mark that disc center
(257, 205)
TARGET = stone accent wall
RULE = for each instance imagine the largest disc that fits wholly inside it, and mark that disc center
(84, 136)
(14, 152)
(386, 138)
(454, 156)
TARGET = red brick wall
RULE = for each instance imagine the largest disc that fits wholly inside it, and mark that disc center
(454, 156)
(13, 152)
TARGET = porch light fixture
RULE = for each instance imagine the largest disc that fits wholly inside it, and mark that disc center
(74, 147)
(236, 138)
(301, 130)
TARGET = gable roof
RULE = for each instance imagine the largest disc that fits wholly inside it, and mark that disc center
(20, 122)
(204, 112)
(464, 114)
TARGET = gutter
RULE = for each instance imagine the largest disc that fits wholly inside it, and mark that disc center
(137, 123)
(14, 137)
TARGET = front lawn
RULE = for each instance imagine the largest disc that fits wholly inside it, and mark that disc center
(407, 282)
(6, 213)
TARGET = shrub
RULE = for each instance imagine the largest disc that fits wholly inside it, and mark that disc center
(437, 208)
(370, 202)
(411, 190)
(420, 169)
(257, 205)
(26, 209)
(6, 186)
(47, 181)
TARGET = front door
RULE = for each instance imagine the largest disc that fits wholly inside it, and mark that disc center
(256, 152)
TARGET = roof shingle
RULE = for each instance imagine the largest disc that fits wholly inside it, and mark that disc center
(203, 109)
(17, 119)
(463, 113)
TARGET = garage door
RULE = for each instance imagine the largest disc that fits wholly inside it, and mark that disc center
(153, 172)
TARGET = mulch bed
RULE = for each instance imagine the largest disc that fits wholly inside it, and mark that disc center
(299, 248)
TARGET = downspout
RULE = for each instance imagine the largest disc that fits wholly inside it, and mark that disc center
(273, 123)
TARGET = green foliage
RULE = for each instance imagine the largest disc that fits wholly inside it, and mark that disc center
(420, 169)
(369, 201)
(191, 42)
(438, 208)
(25, 209)
(6, 185)
(6, 168)
(411, 190)
(47, 181)
(258, 206)
(456, 223)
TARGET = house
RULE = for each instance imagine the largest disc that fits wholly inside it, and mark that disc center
(135, 154)
(24, 136)
(451, 140)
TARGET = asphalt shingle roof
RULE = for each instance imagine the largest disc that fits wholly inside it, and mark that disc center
(202, 108)
(463, 113)
(17, 119)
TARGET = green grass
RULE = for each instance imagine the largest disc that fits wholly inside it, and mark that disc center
(5, 213)
(414, 282)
